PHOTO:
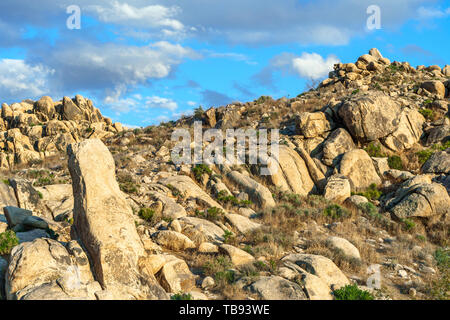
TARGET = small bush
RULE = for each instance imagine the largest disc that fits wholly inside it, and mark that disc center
(212, 214)
(181, 296)
(427, 113)
(372, 193)
(424, 155)
(228, 236)
(409, 224)
(8, 240)
(199, 170)
(263, 99)
(335, 211)
(395, 162)
(198, 112)
(147, 214)
(374, 150)
(352, 292)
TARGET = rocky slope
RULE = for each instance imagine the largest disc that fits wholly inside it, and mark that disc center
(363, 185)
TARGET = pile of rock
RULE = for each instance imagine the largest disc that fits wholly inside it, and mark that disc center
(31, 131)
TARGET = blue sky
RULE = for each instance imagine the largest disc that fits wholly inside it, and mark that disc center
(143, 62)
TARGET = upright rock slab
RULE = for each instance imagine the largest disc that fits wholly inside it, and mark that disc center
(103, 221)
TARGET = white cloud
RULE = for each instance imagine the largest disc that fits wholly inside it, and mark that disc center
(113, 68)
(192, 103)
(312, 65)
(153, 16)
(163, 103)
(307, 66)
(20, 80)
(432, 13)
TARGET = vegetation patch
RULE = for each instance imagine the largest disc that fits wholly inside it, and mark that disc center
(352, 292)
(8, 240)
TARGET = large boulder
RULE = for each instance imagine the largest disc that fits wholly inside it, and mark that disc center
(241, 223)
(434, 87)
(371, 116)
(438, 163)
(189, 189)
(175, 276)
(259, 194)
(103, 221)
(321, 267)
(358, 167)
(337, 189)
(45, 269)
(71, 111)
(420, 199)
(7, 196)
(314, 124)
(277, 288)
(45, 106)
(345, 246)
(238, 257)
(408, 132)
(292, 173)
(337, 143)
(174, 240)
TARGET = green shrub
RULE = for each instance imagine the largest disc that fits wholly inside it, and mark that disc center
(199, 170)
(395, 162)
(372, 193)
(374, 150)
(409, 224)
(212, 214)
(147, 214)
(181, 296)
(424, 155)
(352, 292)
(198, 112)
(8, 240)
(263, 99)
(228, 236)
(442, 258)
(335, 211)
(427, 113)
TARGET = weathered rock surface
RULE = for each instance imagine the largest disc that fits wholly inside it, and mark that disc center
(420, 200)
(438, 163)
(337, 189)
(345, 246)
(277, 288)
(358, 167)
(337, 143)
(321, 267)
(238, 257)
(104, 224)
(258, 193)
(370, 117)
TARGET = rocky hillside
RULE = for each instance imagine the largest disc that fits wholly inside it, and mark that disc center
(32, 131)
(92, 211)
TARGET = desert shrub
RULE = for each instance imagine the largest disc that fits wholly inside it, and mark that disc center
(374, 150)
(181, 296)
(408, 224)
(352, 292)
(219, 269)
(395, 162)
(427, 113)
(8, 240)
(263, 99)
(424, 155)
(335, 211)
(440, 288)
(212, 214)
(199, 170)
(147, 214)
(372, 193)
(198, 112)
(127, 184)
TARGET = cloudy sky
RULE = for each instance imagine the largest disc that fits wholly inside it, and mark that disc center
(147, 61)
